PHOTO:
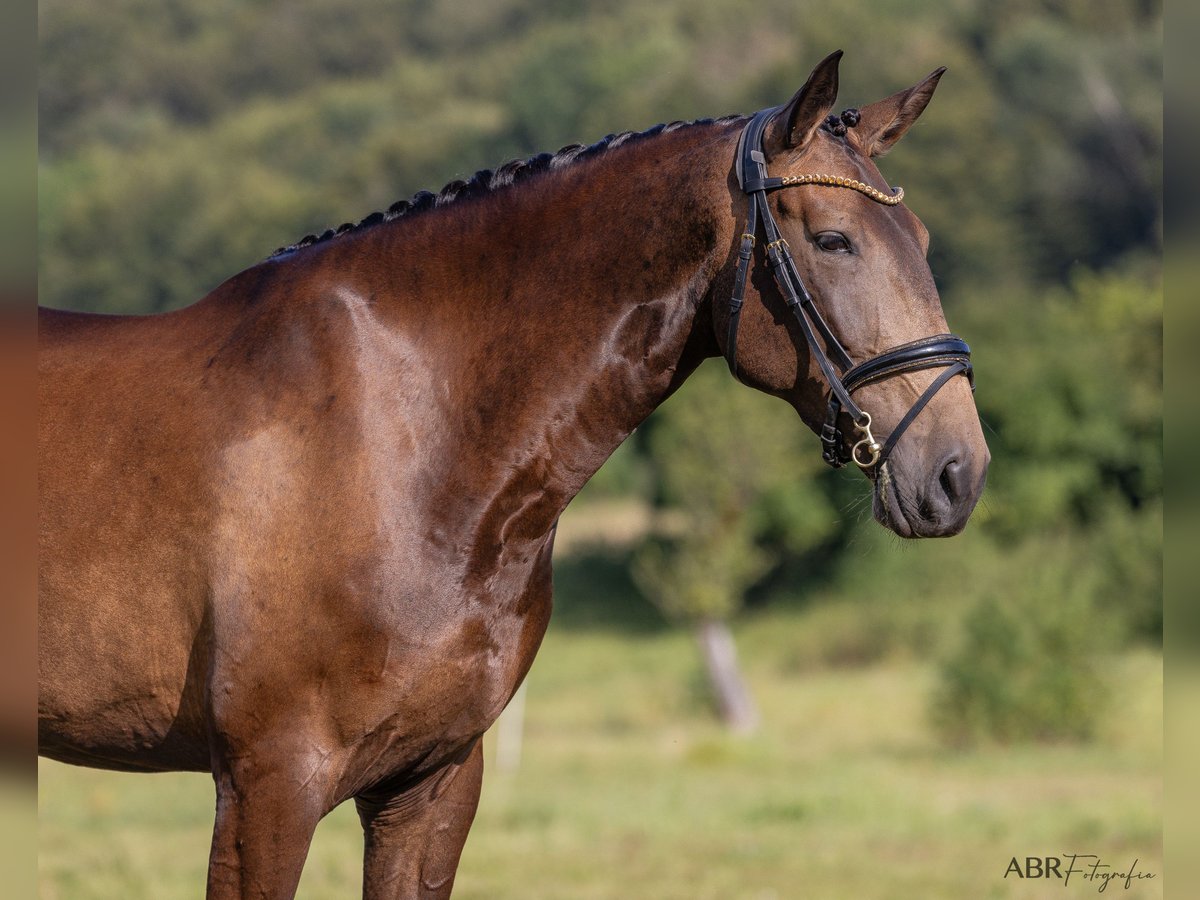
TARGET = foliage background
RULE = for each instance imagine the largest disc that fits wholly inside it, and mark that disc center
(182, 141)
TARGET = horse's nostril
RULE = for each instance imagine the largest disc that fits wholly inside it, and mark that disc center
(951, 480)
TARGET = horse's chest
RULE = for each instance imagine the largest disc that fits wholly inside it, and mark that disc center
(446, 663)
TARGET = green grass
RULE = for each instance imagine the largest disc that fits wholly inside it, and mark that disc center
(628, 790)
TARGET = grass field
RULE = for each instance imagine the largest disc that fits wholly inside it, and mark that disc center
(627, 790)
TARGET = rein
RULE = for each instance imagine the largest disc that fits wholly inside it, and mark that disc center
(941, 350)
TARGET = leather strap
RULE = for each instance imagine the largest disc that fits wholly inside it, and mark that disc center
(926, 353)
(751, 169)
(745, 254)
(915, 410)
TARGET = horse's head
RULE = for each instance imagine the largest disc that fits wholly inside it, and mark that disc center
(869, 361)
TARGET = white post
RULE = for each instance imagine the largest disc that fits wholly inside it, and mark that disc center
(509, 729)
(734, 702)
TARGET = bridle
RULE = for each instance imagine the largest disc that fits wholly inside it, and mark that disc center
(927, 353)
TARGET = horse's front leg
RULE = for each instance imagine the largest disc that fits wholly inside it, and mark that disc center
(270, 797)
(415, 835)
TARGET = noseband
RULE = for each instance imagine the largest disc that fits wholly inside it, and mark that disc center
(941, 350)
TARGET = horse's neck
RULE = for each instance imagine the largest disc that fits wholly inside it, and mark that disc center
(556, 318)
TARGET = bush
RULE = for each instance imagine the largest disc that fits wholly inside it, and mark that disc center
(1027, 668)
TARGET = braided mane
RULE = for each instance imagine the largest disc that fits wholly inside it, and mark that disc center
(486, 181)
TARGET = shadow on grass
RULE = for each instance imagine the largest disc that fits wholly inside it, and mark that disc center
(594, 591)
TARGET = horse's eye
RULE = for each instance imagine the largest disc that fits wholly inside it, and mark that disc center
(833, 242)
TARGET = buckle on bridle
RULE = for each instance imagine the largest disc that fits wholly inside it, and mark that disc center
(831, 444)
(866, 452)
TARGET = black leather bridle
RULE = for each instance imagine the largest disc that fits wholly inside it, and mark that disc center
(927, 353)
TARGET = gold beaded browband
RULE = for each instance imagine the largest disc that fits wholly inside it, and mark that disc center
(840, 181)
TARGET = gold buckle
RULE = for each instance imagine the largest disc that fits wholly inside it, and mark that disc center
(868, 442)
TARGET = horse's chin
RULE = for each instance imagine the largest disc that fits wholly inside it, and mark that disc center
(891, 512)
(886, 506)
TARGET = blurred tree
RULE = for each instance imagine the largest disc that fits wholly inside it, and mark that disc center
(1087, 111)
(185, 62)
(700, 579)
(731, 467)
(1077, 426)
(1029, 664)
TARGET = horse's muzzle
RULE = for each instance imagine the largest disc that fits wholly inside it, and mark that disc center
(938, 505)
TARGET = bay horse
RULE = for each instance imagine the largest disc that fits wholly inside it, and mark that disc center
(298, 534)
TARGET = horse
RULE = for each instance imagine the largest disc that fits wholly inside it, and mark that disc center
(298, 534)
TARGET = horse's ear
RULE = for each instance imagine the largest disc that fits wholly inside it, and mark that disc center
(806, 111)
(882, 124)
